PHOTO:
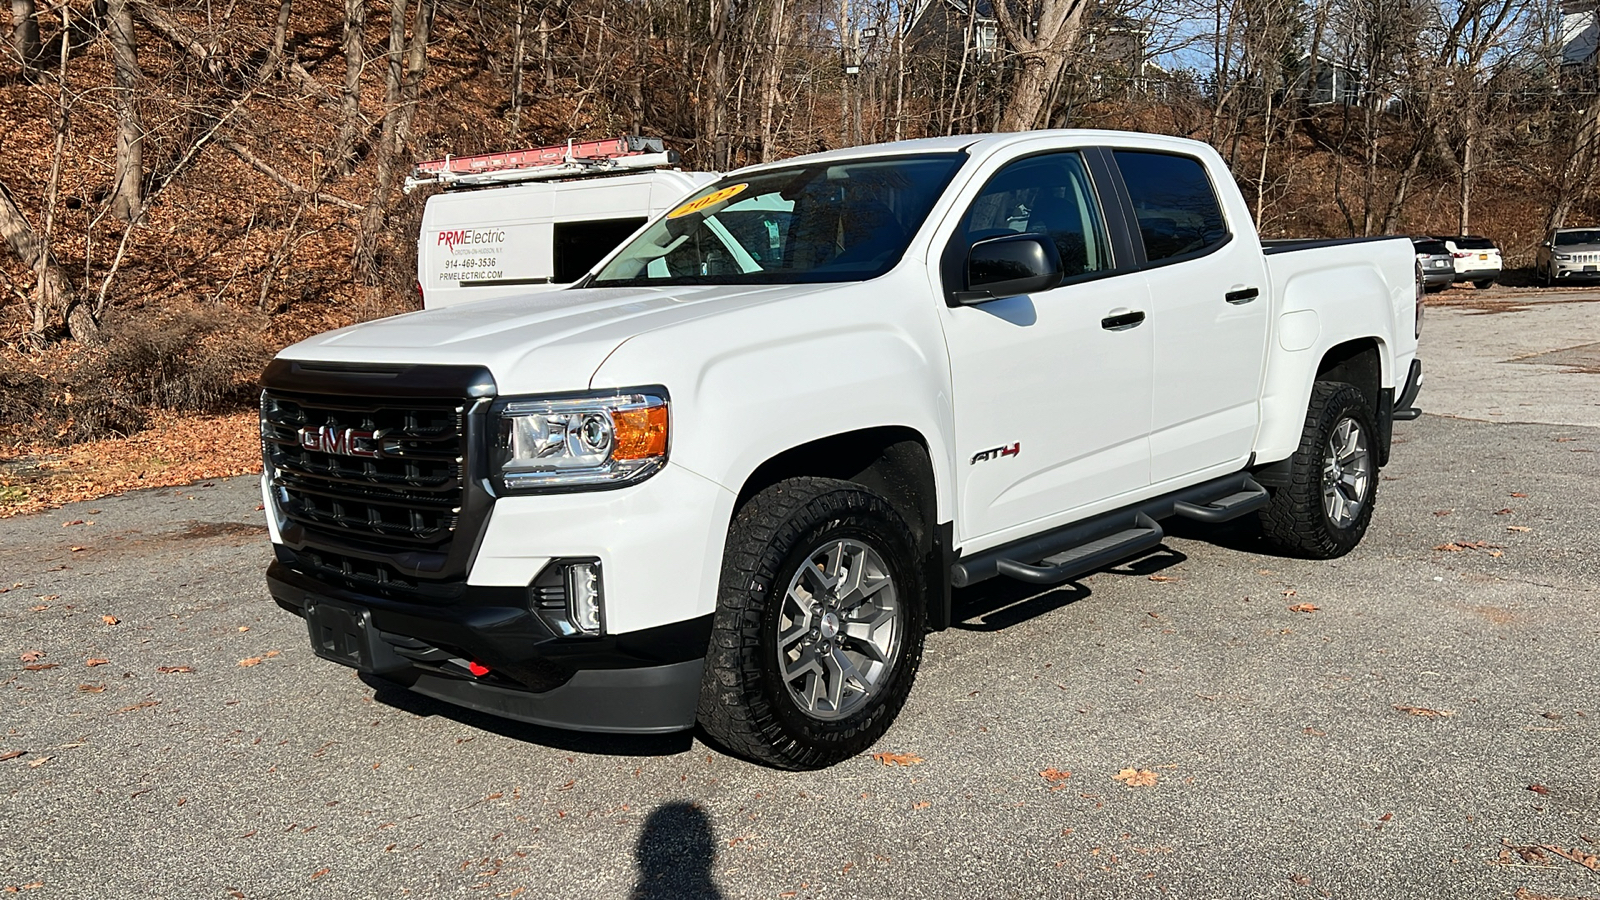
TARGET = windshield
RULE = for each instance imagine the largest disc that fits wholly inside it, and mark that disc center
(1579, 236)
(845, 221)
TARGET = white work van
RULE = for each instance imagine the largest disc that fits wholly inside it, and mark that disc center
(496, 235)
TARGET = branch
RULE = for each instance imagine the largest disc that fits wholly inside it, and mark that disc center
(261, 166)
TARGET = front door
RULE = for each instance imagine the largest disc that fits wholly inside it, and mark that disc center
(1051, 390)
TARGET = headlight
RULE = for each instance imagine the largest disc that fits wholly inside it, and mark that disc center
(583, 442)
(1564, 257)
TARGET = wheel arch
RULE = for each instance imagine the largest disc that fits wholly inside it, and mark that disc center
(894, 461)
(1358, 362)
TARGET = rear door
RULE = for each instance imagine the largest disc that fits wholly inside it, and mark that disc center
(1051, 391)
(1208, 313)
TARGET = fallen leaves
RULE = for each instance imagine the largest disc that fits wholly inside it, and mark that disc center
(1055, 778)
(91, 688)
(922, 804)
(1304, 608)
(11, 754)
(1162, 578)
(320, 872)
(110, 620)
(1136, 777)
(249, 661)
(32, 656)
(1459, 546)
(142, 704)
(1539, 789)
(36, 763)
(1536, 854)
(39, 667)
(897, 759)
(174, 670)
(1518, 528)
(1424, 712)
(93, 661)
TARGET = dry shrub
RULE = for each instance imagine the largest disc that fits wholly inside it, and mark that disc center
(188, 359)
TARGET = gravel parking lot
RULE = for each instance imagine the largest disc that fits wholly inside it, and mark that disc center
(1418, 719)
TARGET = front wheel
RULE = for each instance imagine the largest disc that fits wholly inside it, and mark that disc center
(1324, 510)
(819, 625)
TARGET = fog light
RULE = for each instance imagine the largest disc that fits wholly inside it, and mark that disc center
(584, 596)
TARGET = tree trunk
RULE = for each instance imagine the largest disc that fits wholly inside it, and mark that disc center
(127, 193)
(516, 68)
(25, 35)
(401, 89)
(355, 57)
(56, 310)
(1044, 55)
(280, 37)
(1466, 183)
(772, 79)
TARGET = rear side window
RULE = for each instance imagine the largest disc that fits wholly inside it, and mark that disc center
(579, 245)
(1177, 207)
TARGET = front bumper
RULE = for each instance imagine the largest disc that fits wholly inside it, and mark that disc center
(1572, 271)
(643, 682)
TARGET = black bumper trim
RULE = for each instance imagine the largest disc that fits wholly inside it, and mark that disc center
(648, 700)
(495, 626)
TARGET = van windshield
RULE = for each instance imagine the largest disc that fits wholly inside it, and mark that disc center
(844, 221)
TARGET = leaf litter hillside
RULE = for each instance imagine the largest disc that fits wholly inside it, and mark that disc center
(141, 292)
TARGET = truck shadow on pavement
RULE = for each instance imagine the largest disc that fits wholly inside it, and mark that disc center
(398, 697)
(1000, 603)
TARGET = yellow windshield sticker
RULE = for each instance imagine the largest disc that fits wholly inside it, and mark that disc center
(708, 201)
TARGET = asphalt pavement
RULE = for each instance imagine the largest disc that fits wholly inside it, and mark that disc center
(1418, 719)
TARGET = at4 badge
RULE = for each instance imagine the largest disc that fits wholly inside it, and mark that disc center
(996, 453)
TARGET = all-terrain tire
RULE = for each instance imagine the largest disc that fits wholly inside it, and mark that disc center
(1297, 519)
(781, 545)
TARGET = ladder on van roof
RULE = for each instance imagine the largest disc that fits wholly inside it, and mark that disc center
(574, 159)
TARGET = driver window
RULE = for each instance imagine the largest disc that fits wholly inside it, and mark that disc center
(1048, 195)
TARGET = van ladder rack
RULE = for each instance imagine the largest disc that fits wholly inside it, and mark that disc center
(574, 159)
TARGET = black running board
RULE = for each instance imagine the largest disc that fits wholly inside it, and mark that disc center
(1082, 547)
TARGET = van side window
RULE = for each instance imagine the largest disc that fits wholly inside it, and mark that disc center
(579, 245)
(1176, 205)
(1047, 195)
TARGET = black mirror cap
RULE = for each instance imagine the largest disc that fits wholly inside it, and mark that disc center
(1009, 265)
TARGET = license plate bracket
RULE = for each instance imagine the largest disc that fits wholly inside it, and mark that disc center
(345, 634)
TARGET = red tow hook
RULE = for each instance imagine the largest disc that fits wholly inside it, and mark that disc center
(477, 669)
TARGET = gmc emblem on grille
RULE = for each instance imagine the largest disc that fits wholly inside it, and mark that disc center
(344, 442)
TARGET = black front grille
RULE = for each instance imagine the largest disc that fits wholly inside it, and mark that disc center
(383, 472)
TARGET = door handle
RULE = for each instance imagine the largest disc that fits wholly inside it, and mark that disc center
(1121, 321)
(1243, 295)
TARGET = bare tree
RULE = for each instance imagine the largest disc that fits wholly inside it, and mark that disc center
(56, 310)
(402, 88)
(25, 35)
(1041, 42)
(127, 191)
(355, 59)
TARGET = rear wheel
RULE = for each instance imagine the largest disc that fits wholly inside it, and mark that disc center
(819, 625)
(1483, 284)
(1324, 510)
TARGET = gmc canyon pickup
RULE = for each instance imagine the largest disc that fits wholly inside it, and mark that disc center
(732, 475)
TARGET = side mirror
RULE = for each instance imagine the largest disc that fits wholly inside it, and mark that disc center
(1008, 265)
(1545, 244)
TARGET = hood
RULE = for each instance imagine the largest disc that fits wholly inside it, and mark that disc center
(533, 343)
(1576, 248)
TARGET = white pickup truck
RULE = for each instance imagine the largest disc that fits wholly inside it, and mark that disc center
(733, 474)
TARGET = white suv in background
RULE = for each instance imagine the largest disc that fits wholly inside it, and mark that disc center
(1477, 259)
